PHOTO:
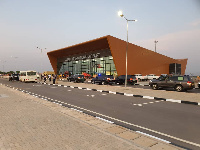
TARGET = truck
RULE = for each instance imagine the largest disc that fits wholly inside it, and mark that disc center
(152, 76)
(139, 77)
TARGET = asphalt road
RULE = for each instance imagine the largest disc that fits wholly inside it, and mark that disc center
(170, 121)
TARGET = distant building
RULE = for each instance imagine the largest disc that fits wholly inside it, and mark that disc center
(108, 55)
(48, 72)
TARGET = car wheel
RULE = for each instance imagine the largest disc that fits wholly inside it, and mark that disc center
(179, 88)
(155, 86)
(103, 83)
(93, 82)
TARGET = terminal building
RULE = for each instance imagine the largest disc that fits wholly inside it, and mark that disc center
(108, 55)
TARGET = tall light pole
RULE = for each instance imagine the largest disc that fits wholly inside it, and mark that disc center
(15, 63)
(3, 61)
(41, 56)
(127, 20)
(155, 44)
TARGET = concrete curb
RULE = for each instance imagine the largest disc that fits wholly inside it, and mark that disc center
(141, 96)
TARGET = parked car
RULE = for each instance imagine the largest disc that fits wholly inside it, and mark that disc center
(76, 78)
(152, 76)
(139, 77)
(130, 79)
(87, 76)
(103, 79)
(13, 77)
(179, 83)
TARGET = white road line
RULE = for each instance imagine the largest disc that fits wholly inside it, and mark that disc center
(148, 97)
(128, 94)
(140, 105)
(172, 100)
(105, 120)
(153, 137)
(112, 92)
(145, 103)
(151, 102)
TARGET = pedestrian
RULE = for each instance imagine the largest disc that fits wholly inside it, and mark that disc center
(45, 78)
(54, 79)
(49, 77)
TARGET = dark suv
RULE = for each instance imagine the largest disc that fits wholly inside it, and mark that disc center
(14, 77)
(103, 79)
(76, 78)
(130, 79)
(179, 83)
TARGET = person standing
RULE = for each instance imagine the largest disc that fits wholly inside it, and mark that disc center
(49, 77)
(45, 78)
(54, 79)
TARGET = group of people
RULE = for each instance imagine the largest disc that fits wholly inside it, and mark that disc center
(49, 77)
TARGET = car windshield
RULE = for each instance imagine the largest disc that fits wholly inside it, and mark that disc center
(31, 73)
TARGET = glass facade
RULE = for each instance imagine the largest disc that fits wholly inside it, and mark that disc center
(91, 63)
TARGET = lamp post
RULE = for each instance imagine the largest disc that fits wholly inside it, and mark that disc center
(41, 56)
(3, 61)
(155, 44)
(127, 20)
(14, 63)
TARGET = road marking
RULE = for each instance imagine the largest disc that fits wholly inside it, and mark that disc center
(105, 120)
(153, 136)
(128, 94)
(69, 90)
(112, 92)
(103, 94)
(172, 100)
(148, 97)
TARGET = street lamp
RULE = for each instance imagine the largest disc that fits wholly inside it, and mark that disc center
(155, 44)
(3, 61)
(15, 63)
(41, 56)
(121, 15)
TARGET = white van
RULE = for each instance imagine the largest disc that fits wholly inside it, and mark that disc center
(28, 76)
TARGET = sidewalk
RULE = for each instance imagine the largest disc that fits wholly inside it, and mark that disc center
(31, 123)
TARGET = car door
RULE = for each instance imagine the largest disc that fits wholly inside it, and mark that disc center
(172, 81)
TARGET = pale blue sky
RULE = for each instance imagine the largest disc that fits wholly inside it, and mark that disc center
(54, 24)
